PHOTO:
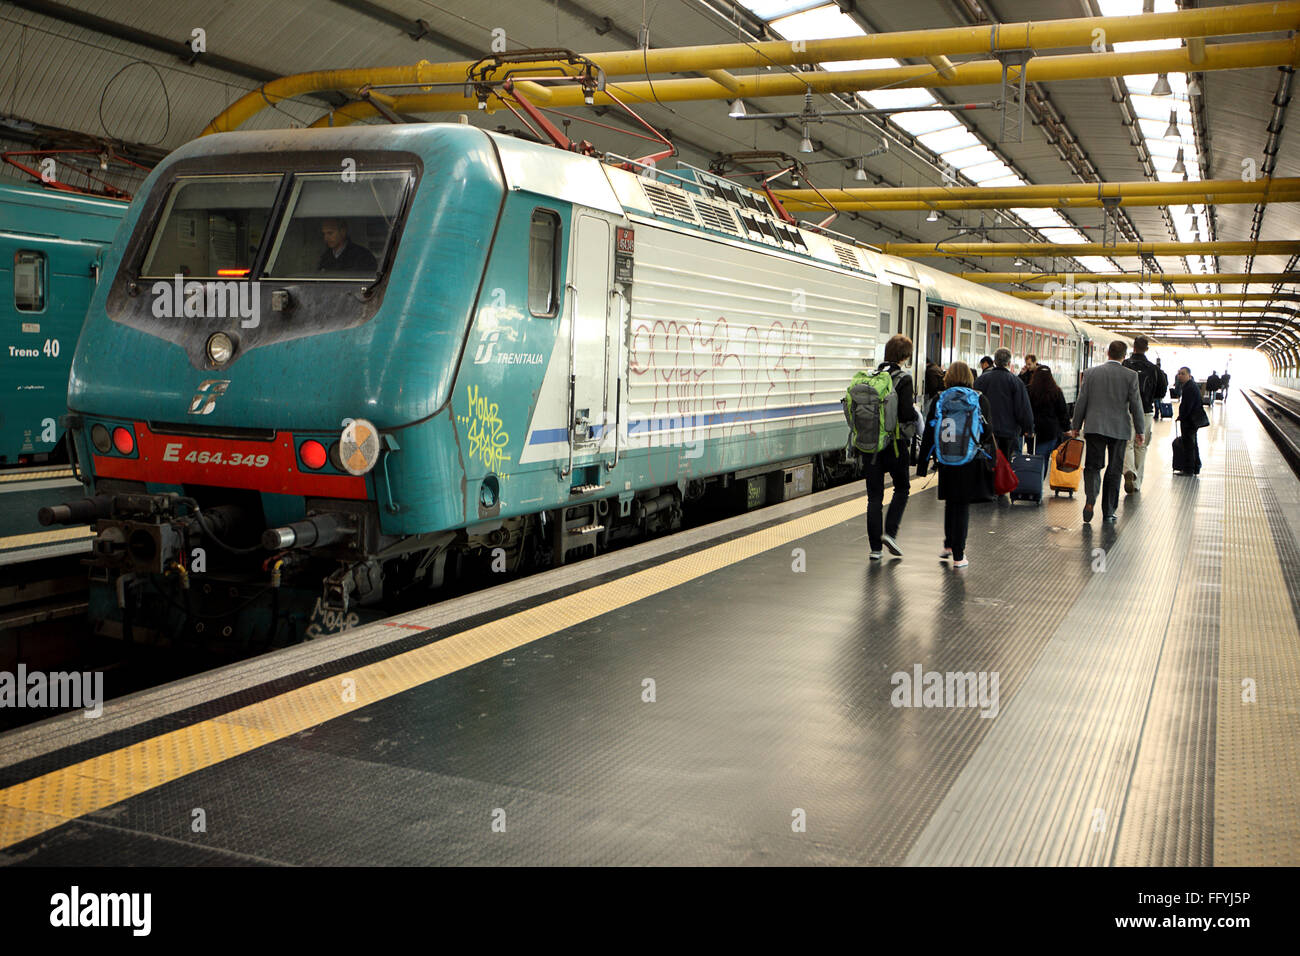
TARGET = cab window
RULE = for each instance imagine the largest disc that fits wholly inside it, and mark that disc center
(543, 263)
(211, 227)
(336, 227)
(29, 281)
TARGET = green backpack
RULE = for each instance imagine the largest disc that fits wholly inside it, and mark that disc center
(871, 407)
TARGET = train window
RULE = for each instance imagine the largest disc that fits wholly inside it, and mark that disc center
(29, 281)
(543, 263)
(995, 336)
(886, 323)
(1020, 342)
(981, 337)
(336, 229)
(211, 226)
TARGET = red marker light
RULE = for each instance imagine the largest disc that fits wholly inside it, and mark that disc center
(123, 440)
(313, 454)
(233, 272)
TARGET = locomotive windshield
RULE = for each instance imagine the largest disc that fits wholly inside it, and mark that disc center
(212, 226)
(338, 226)
(335, 226)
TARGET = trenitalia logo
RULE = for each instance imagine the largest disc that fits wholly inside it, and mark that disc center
(208, 300)
(205, 398)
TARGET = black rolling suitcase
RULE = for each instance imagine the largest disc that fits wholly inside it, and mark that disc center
(1180, 456)
(1029, 469)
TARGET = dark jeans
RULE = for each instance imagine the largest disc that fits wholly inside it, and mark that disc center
(956, 522)
(1191, 450)
(1109, 452)
(898, 471)
(1008, 445)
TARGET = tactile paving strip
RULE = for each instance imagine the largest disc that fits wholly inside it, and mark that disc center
(1257, 761)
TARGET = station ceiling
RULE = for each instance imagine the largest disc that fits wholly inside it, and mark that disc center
(121, 72)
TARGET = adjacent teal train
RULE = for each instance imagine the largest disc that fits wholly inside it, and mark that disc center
(51, 247)
(355, 362)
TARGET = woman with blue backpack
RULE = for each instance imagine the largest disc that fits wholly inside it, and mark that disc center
(958, 438)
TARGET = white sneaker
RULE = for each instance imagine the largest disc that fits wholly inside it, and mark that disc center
(963, 563)
(892, 545)
(875, 555)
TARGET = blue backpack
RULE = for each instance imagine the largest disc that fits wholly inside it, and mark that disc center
(958, 427)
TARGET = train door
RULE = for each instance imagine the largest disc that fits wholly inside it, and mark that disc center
(593, 337)
(933, 336)
(909, 313)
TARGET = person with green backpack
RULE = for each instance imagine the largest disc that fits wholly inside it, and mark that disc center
(882, 425)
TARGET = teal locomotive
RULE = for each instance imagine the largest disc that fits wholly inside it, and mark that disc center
(52, 245)
(354, 362)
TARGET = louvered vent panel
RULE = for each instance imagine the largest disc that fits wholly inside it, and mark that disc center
(668, 202)
(848, 257)
(716, 216)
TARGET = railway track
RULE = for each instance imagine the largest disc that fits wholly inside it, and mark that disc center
(1280, 415)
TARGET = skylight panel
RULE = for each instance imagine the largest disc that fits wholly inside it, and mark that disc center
(897, 98)
(919, 124)
(969, 156)
(1097, 264)
(1012, 180)
(982, 173)
(949, 139)
(767, 9)
(819, 24)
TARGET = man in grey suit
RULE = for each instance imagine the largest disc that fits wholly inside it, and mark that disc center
(1110, 405)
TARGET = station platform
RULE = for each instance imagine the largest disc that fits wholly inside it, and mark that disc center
(736, 695)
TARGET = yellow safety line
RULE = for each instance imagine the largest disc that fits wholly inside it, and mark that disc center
(35, 806)
(1257, 745)
(43, 537)
(38, 475)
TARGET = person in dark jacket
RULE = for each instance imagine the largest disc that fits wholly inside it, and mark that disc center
(898, 352)
(1212, 385)
(959, 485)
(1190, 416)
(1030, 366)
(1051, 416)
(1135, 455)
(933, 383)
(986, 363)
(1012, 415)
(1161, 391)
(340, 255)
(1223, 383)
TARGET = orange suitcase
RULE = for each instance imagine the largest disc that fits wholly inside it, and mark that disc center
(1059, 481)
(1070, 454)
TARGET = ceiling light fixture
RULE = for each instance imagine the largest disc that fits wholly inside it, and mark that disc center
(1178, 164)
(805, 144)
(860, 174)
(1172, 131)
(737, 109)
(933, 217)
(1162, 87)
(1193, 85)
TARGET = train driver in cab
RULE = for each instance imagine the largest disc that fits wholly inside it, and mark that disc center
(340, 255)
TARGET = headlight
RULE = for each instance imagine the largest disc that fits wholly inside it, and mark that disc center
(359, 447)
(99, 437)
(220, 348)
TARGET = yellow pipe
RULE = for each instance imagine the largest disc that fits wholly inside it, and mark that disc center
(1043, 35)
(1043, 249)
(1276, 196)
(1082, 66)
(1176, 278)
(723, 79)
(942, 64)
(1180, 297)
(1177, 190)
